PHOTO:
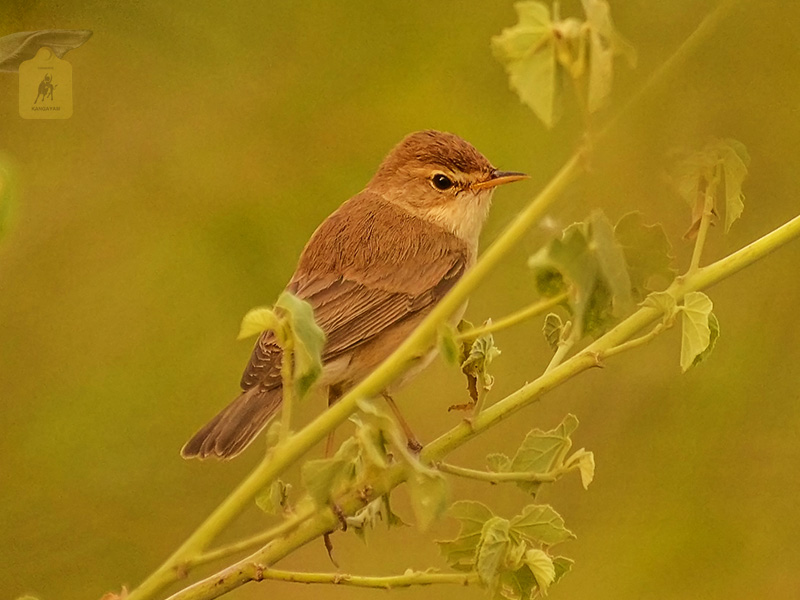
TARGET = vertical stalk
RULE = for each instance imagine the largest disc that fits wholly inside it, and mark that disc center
(287, 377)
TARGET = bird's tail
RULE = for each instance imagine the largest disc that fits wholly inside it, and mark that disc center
(232, 430)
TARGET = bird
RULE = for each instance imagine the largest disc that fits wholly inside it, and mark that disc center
(372, 271)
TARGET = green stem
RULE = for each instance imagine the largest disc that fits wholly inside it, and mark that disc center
(407, 579)
(481, 400)
(636, 342)
(705, 221)
(252, 571)
(562, 350)
(514, 318)
(255, 541)
(287, 389)
(502, 477)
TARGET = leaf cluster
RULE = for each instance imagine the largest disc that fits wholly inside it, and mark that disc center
(291, 323)
(715, 172)
(510, 556)
(543, 50)
(604, 269)
(545, 453)
(473, 354)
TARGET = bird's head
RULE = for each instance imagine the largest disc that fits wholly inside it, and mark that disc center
(443, 179)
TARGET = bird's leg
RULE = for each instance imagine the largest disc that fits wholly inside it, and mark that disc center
(413, 443)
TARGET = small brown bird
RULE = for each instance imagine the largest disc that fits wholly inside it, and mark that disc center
(372, 271)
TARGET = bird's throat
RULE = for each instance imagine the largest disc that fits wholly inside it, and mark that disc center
(464, 217)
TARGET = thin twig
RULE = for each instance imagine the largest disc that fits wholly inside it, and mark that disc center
(502, 477)
(533, 310)
(407, 579)
(255, 541)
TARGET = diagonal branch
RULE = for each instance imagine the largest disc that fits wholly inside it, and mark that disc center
(591, 356)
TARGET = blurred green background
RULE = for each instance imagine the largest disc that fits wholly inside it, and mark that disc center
(207, 143)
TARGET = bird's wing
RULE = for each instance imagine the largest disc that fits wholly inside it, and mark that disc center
(368, 267)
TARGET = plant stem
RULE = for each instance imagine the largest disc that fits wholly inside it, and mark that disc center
(705, 221)
(482, 393)
(407, 579)
(255, 541)
(562, 350)
(635, 342)
(514, 318)
(287, 388)
(501, 477)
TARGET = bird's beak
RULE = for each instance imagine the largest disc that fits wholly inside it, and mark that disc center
(499, 178)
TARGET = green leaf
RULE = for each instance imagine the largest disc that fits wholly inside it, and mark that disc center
(518, 584)
(481, 354)
(542, 567)
(565, 264)
(274, 498)
(598, 315)
(515, 555)
(611, 262)
(273, 435)
(541, 451)
(528, 53)
(369, 516)
(696, 333)
(392, 518)
(648, 254)
(382, 426)
(321, 476)
(21, 46)
(324, 478)
(460, 552)
(309, 340)
(428, 492)
(372, 446)
(553, 330)
(586, 467)
(664, 303)
(713, 326)
(585, 463)
(540, 523)
(365, 519)
(448, 346)
(604, 43)
(563, 565)
(492, 551)
(258, 320)
(590, 264)
(694, 175)
(735, 161)
(498, 462)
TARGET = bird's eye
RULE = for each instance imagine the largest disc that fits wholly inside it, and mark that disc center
(442, 182)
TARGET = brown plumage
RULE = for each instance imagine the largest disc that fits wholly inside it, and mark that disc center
(371, 272)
